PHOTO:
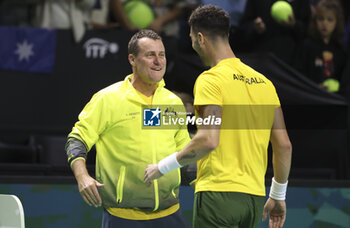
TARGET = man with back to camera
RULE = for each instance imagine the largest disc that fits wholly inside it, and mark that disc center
(113, 121)
(232, 155)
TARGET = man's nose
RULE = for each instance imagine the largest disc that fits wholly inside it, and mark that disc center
(157, 60)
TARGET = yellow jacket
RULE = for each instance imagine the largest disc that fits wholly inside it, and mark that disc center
(113, 120)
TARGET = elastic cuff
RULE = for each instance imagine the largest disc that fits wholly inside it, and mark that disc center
(278, 191)
(75, 159)
(168, 164)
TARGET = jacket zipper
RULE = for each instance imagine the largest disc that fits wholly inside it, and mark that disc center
(154, 158)
(120, 184)
(155, 182)
(178, 184)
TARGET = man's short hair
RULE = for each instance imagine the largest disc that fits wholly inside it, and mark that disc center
(133, 47)
(210, 20)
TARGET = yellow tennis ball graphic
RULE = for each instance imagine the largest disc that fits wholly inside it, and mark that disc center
(332, 85)
(281, 11)
(139, 13)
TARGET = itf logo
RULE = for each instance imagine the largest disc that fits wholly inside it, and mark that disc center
(151, 117)
(98, 48)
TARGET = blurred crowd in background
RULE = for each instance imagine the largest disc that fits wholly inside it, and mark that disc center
(315, 40)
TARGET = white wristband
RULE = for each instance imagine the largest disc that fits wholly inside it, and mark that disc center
(278, 191)
(168, 164)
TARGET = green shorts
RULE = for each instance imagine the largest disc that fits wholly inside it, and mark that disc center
(227, 209)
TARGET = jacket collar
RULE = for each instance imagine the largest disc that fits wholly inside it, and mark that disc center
(131, 91)
(128, 78)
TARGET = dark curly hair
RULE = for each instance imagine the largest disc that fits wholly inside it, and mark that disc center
(210, 20)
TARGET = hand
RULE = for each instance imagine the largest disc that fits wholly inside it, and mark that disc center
(88, 190)
(277, 210)
(151, 173)
(290, 22)
(259, 25)
(156, 25)
(323, 86)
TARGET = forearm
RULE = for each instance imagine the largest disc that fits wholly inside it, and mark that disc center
(79, 169)
(206, 140)
(199, 147)
(281, 160)
(86, 184)
(201, 144)
(77, 153)
(118, 11)
(281, 148)
(281, 164)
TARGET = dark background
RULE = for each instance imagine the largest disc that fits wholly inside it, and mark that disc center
(34, 104)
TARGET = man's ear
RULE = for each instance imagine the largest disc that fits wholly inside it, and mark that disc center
(200, 38)
(131, 59)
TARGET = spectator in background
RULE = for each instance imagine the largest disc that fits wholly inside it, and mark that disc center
(235, 8)
(261, 33)
(65, 14)
(323, 55)
(167, 13)
(100, 17)
(345, 4)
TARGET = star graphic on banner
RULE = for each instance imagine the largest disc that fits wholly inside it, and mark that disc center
(24, 50)
(156, 112)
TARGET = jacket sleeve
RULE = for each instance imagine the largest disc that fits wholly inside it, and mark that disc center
(93, 120)
(75, 150)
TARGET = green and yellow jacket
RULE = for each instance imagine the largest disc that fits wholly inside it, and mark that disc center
(113, 121)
